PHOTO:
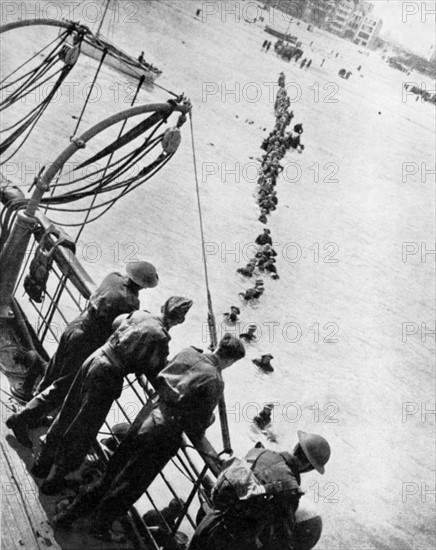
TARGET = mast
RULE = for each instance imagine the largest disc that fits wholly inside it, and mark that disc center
(102, 19)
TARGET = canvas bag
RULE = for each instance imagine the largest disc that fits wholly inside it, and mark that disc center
(235, 483)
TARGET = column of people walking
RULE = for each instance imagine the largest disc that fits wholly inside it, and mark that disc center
(276, 145)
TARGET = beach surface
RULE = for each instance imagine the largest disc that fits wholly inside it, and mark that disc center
(349, 320)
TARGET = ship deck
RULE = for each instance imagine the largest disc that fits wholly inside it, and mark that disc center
(25, 512)
(24, 520)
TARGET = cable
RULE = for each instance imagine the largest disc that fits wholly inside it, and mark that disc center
(211, 317)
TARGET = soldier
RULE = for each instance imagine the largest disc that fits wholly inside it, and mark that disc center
(250, 335)
(139, 345)
(117, 294)
(269, 515)
(298, 128)
(264, 238)
(189, 389)
(264, 418)
(232, 317)
(253, 293)
(264, 362)
(248, 270)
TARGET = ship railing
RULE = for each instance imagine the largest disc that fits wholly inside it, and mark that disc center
(68, 288)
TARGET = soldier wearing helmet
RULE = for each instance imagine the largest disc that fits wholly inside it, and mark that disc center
(139, 345)
(232, 316)
(189, 389)
(267, 519)
(264, 238)
(116, 295)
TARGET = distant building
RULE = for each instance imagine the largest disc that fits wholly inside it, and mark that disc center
(349, 19)
(340, 19)
(368, 31)
(354, 21)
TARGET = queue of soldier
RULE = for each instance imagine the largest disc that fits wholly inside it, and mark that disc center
(276, 145)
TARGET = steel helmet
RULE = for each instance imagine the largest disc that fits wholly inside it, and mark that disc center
(143, 274)
(298, 128)
(316, 449)
(177, 307)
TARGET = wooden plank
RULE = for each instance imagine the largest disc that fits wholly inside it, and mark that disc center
(25, 511)
(14, 507)
(25, 523)
(23, 514)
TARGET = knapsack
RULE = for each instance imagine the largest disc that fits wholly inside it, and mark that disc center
(235, 483)
(238, 489)
(35, 281)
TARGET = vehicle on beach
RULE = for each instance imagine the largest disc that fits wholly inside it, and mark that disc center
(283, 36)
(396, 64)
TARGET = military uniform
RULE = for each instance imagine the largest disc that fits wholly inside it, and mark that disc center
(263, 238)
(115, 296)
(139, 345)
(269, 516)
(189, 388)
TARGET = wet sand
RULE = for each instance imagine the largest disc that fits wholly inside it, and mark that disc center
(353, 391)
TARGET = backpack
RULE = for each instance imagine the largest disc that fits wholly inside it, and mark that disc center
(35, 282)
(236, 483)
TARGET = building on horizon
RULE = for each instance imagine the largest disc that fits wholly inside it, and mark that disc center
(349, 19)
(354, 21)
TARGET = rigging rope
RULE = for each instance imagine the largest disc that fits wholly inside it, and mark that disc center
(211, 316)
(30, 59)
(108, 164)
(90, 91)
(33, 80)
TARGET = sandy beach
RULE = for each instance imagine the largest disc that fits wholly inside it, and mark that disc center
(349, 321)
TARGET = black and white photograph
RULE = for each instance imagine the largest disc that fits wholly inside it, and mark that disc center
(217, 274)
